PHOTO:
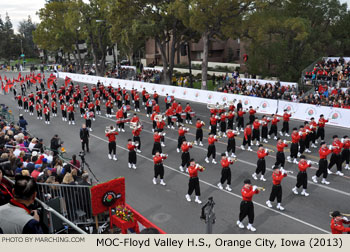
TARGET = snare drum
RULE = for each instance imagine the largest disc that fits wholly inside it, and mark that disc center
(126, 120)
(174, 119)
(183, 115)
(192, 114)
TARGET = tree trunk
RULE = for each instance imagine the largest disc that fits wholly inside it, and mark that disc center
(205, 37)
(165, 61)
(172, 58)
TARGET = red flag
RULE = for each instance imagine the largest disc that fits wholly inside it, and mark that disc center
(67, 81)
(2, 86)
(5, 78)
(49, 82)
(0, 78)
(33, 80)
(19, 76)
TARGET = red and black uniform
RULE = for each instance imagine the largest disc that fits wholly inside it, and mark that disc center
(256, 131)
(225, 171)
(132, 153)
(223, 118)
(252, 113)
(19, 100)
(247, 136)
(149, 106)
(54, 107)
(336, 158)
(230, 118)
(302, 144)
(211, 146)
(168, 99)
(264, 129)
(82, 106)
(337, 226)
(155, 97)
(302, 175)
(137, 100)
(170, 113)
(120, 119)
(31, 107)
(127, 99)
(154, 123)
(156, 146)
(112, 146)
(181, 138)
(199, 131)
(193, 184)
(39, 110)
(47, 113)
(320, 130)
(280, 158)
(87, 116)
(346, 153)
(156, 108)
(240, 119)
(213, 122)
(247, 207)
(25, 103)
(231, 142)
(294, 147)
(276, 191)
(64, 111)
(313, 127)
(136, 136)
(185, 156)
(70, 111)
(158, 166)
(109, 107)
(187, 110)
(160, 127)
(98, 106)
(322, 164)
(178, 113)
(261, 164)
(286, 118)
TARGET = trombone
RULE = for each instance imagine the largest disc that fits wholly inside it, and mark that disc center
(312, 162)
(135, 143)
(211, 106)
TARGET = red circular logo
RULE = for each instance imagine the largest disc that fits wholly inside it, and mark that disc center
(173, 91)
(264, 105)
(335, 116)
(246, 102)
(210, 96)
(310, 112)
(197, 94)
(224, 98)
(162, 89)
(185, 92)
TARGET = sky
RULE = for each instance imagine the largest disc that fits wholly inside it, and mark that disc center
(20, 9)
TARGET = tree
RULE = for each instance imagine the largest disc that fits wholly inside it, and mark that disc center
(26, 29)
(10, 47)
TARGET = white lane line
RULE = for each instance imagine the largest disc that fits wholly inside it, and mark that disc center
(233, 194)
(251, 164)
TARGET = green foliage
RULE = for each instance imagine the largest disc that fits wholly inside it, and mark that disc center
(10, 44)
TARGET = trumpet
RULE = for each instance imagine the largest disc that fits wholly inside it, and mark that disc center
(159, 118)
(268, 150)
(217, 136)
(135, 143)
(287, 142)
(260, 188)
(220, 106)
(343, 214)
(230, 159)
(312, 162)
(200, 167)
(164, 155)
(211, 106)
(287, 171)
(109, 129)
(203, 123)
(190, 143)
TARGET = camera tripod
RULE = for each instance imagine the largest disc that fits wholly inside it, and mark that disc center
(84, 163)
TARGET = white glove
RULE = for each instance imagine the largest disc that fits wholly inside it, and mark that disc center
(300, 133)
(309, 162)
(254, 188)
(342, 140)
(330, 147)
(283, 171)
(346, 219)
(284, 141)
(164, 133)
(215, 137)
(209, 127)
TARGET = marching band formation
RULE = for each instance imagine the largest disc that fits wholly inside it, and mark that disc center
(118, 103)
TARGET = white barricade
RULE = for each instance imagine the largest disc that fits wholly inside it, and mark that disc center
(337, 116)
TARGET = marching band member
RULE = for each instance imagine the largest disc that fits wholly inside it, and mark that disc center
(154, 122)
(321, 124)
(158, 167)
(132, 154)
(112, 146)
(135, 119)
(187, 110)
(308, 137)
(336, 158)
(322, 164)
(247, 137)
(285, 129)
(39, 110)
(25, 104)
(98, 106)
(155, 96)
(247, 207)
(167, 101)
(182, 131)
(223, 124)
(240, 119)
(71, 110)
(143, 93)
(276, 191)
(261, 164)
(211, 148)
(31, 107)
(91, 108)
(178, 113)
(252, 113)
(54, 108)
(302, 176)
(280, 158)
(47, 114)
(313, 127)
(231, 143)
(109, 106)
(185, 156)
(225, 172)
(120, 120)
(82, 108)
(346, 153)
(230, 119)
(199, 132)
(264, 122)
(170, 113)
(64, 111)
(20, 102)
(273, 128)
(193, 184)
(156, 145)
(337, 223)
(127, 98)
(213, 123)
(136, 137)
(302, 133)
(160, 127)
(156, 108)
(137, 101)
(294, 147)
(149, 106)
(87, 117)
(256, 131)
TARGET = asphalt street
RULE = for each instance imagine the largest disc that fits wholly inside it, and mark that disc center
(167, 207)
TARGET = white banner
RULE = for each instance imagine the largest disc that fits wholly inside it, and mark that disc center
(301, 111)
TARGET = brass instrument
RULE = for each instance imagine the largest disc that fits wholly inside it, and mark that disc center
(260, 188)
(109, 129)
(268, 150)
(203, 123)
(162, 133)
(343, 214)
(190, 143)
(220, 106)
(135, 143)
(230, 103)
(288, 171)
(211, 106)
(217, 136)
(312, 162)
(134, 125)
(164, 155)
(200, 167)
(158, 118)
(231, 159)
(287, 142)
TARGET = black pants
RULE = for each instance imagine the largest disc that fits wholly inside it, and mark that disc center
(188, 117)
(261, 166)
(179, 119)
(64, 113)
(154, 124)
(167, 105)
(121, 124)
(264, 132)
(88, 123)
(170, 122)
(247, 141)
(211, 151)
(180, 140)
(320, 133)
(223, 127)
(213, 129)
(85, 143)
(322, 168)
(193, 185)
(251, 119)
(25, 105)
(149, 110)
(112, 147)
(119, 104)
(301, 146)
(71, 116)
(82, 111)
(247, 208)
(225, 176)
(185, 159)
(307, 141)
(240, 122)
(109, 111)
(231, 145)
(302, 180)
(256, 135)
(132, 157)
(159, 171)
(345, 154)
(280, 159)
(273, 130)
(276, 192)
(137, 139)
(285, 128)
(294, 150)
(199, 135)
(54, 111)
(137, 104)
(230, 123)
(40, 113)
(47, 117)
(336, 159)
(313, 136)
(156, 147)
(31, 109)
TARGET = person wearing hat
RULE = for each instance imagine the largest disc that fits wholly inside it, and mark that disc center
(193, 184)
(303, 165)
(285, 129)
(132, 154)
(273, 128)
(294, 147)
(247, 207)
(22, 123)
(156, 145)
(261, 164)
(336, 158)
(324, 151)
(211, 148)
(276, 191)
(225, 172)
(247, 137)
(346, 153)
(112, 146)
(199, 132)
(320, 130)
(337, 223)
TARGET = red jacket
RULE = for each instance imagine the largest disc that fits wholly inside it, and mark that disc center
(158, 160)
(262, 153)
(182, 132)
(193, 171)
(337, 146)
(178, 109)
(322, 122)
(169, 112)
(252, 111)
(240, 113)
(111, 136)
(160, 125)
(188, 109)
(135, 119)
(303, 165)
(281, 146)
(230, 134)
(212, 140)
(286, 117)
(185, 147)
(275, 121)
(136, 132)
(324, 152)
(131, 147)
(337, 227)
(120, 114)
(277, 178)
(225, 163)
(247, 132)
(256, 125)
(346, 144)
(295, 137)
(199, 125)
(213, 120)
(156, 108)
(157, 138)
(247, 194)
